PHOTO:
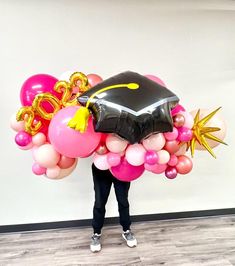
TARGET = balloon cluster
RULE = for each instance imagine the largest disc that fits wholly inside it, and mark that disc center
(42, 127)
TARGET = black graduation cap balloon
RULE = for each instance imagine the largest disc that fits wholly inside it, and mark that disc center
(129, 105)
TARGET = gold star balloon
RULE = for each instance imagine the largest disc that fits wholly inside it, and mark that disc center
(202, 133)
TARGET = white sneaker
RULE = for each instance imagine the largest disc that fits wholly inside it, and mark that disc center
(130, 239)
(95, 245)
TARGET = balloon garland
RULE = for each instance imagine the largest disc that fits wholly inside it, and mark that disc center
(50, 113)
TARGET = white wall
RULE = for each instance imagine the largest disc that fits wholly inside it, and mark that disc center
(189, 44)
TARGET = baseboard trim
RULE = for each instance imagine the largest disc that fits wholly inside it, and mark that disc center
(114, 220)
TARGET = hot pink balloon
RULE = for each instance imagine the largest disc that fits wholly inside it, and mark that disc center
(27, 147)
(163, 157)
(113, 159)
(68, 141)
(151, 157)
(94, 79)
(135, 154)
(115, 144)
(53, 172)
(185, 134)
(16, 125)
(38, 170)
(156, 168)
(46, 156)
(65, 162)
(39, 139)
(154, 142)
(171, 135)
(178, 108)
(156, 79)
(127, 172)
(184, 165)
(171, 172)
(23, 138)
(100, 161)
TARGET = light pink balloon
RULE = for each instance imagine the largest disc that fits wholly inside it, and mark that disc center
(68, 171)
(16, 125)
(65, 162)
(46, 156)
(216, 121)
(163, 156)
(188, 119)
(70, 142)
(94, 79)
(27, 147)
(171, 135)
(113, 159)
(135, 154)
(156, 168)
(154, 142)
(38, 170)
(156, 79)
(39, 139)
(53, 172)
(182, 150)
(115, 144)
(100, 161)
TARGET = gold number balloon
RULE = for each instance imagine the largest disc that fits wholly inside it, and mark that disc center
(64, 87)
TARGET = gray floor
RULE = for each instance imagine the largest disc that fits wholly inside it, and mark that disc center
(207, 241)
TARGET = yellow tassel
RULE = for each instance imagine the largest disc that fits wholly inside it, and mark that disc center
(80, 120)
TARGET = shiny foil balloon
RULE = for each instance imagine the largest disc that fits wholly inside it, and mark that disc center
(130, 105)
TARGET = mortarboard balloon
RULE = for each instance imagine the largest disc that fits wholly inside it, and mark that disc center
(129, 105)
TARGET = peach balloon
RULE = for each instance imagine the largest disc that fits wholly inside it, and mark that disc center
(39, 139)
(65, 162)
(16, 125)
(154, 142)
(182, 150)
(53, 172)
(188, 119)
(115, 144)
(163, 157)
(184, 165)
(46, 156)
(68, 171)
(172, 146)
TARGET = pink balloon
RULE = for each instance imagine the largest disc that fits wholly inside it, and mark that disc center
(65, 162)
(135, 154)
(182, 150)
(94, 79)
(68, 141)
(46, 156)
(171, 172)
(184, 165)
(100, 161)
(66, 172)
(156, 168)
(115, 144)
(171, 135)
(113, 159)
(163, 157)
(38, 170)
(27, 147)
(178, 108)
(127, 172)
(16, 125)
(36, 84)
(53, 172)
(185, 134)
(188, 119)
(172, 146)
(154, 142)
(23, 138)
(173, 160)
(151, 157)
(39, 139)
(156, 79)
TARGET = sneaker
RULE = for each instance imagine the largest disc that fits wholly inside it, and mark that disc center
(95, 245)
(130, 239)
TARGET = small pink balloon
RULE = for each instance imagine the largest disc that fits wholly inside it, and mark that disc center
(115, 144)
(27, 147)
(135, 154)
(184, 165)
(156, 79)
(188, 119)
(178, 108)
(47, 156)
(39, 139)
(172, 146)
(127, 172)
(68, 171)
(101, 149)
(16, 125)
(171, 172)
(163, 157)
(100, 161)
(154, 142)
(94, 79)
(23, 138)
(185, 134)
(65, 162)
(38, 170)
(113, 159)
(151, 157)
(156, 168)
(173, 160)
(171, 135)
(53, 172)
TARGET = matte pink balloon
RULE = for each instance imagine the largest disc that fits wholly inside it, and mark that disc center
(53, 172)
(46, 156)
(113, 159)
(39, 139)
(65, 162)
(172, 146)
(156, 168)
(178, 108)
(70, 142)
(171, 135)
(151, 157)
(94, 79)
(127, 172)
(184, 165)
(154, 142)
(188, 119)
(16, 125)
(173, 160)
(171, 172)
(115, 144)
(185, 134)
(38, 170)
(135, 154)
(163, 157)
(23, 138)
(156, 79)
(100, 161)
(36, 84)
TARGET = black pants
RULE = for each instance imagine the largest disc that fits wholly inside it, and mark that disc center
(102, 184)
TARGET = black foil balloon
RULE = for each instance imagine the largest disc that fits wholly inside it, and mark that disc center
(131, 106)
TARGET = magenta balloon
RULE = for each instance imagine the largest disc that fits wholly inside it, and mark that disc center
(127, 172)
(171, 172)
(185, 134)
(70, 142)
(178, 108)
(23, 139)
(36, 84)
(151, 157)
